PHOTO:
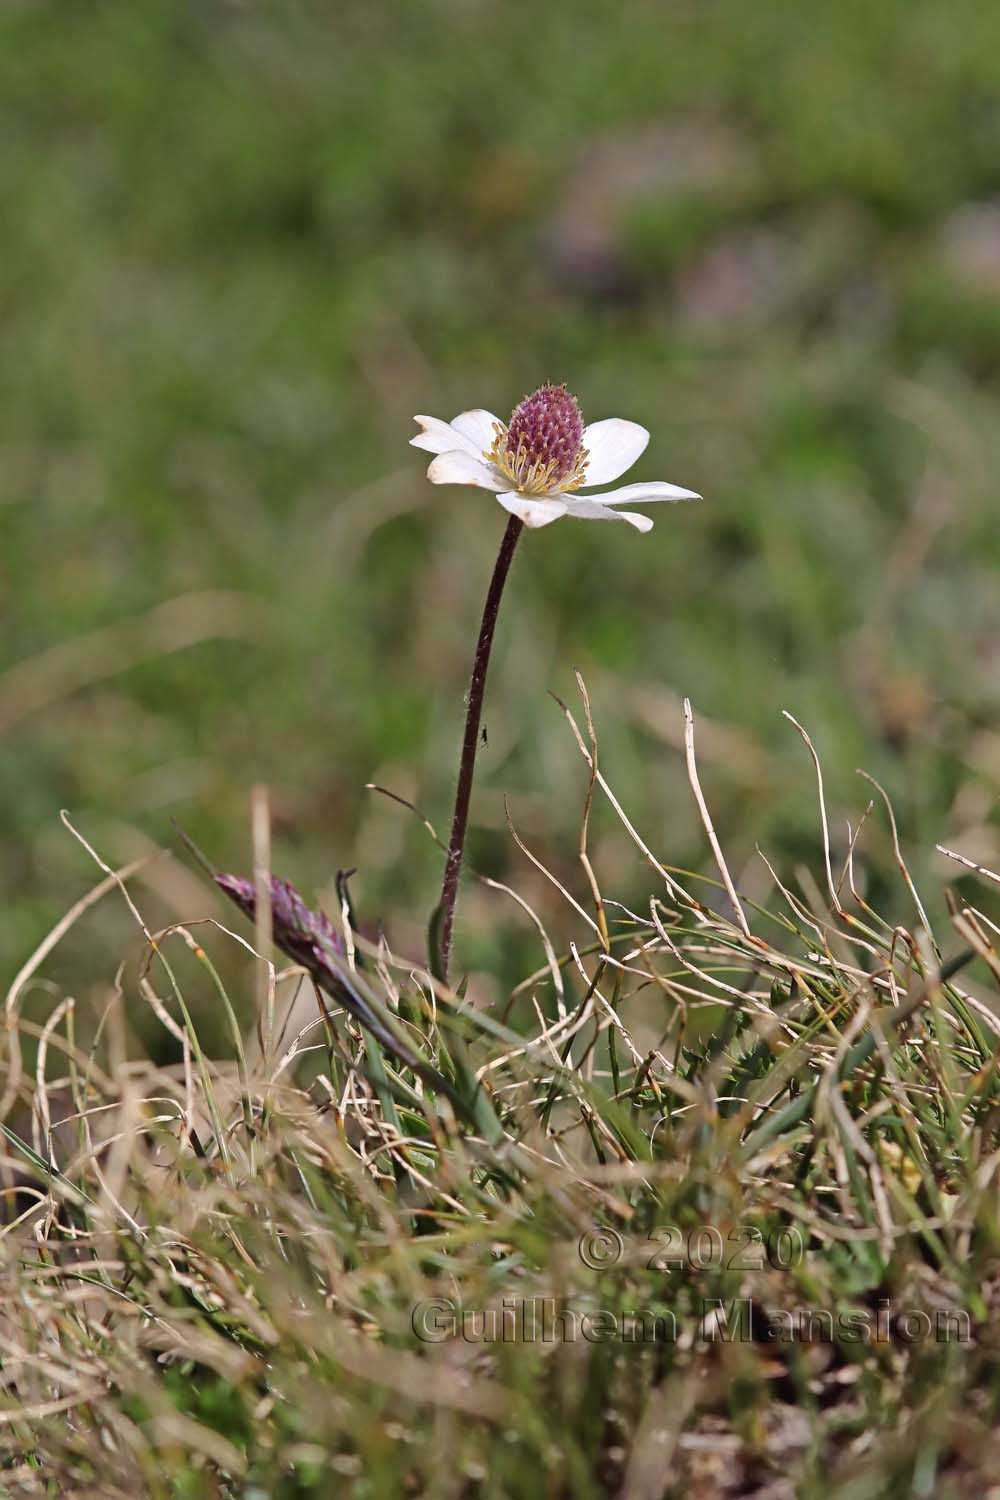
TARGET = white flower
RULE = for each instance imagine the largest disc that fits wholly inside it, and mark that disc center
(536, 464)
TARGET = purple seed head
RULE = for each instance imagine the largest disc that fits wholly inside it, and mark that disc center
(242, 892)
(298, 931)
(543, 450)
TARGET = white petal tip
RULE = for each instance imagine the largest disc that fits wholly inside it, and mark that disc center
(457, 467)
(534, 511)
(442, 473)
(648, 493)
(612, 447)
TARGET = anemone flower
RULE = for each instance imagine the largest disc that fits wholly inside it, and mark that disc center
(536, 464)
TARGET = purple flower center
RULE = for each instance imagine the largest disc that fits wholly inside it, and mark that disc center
(542, 450)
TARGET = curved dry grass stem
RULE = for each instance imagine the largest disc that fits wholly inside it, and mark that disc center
(692, 768)
(588, 868)
(970, 864)
(553, 880)
(900, 861)
(681, 955)
(828, 864)
(550, 952)
(373, 786)
(675, 888)
(260, 827)
(33, 964)
(42, 1115)
(853, 835)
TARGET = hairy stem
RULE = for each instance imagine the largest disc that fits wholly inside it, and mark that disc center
(470, 743)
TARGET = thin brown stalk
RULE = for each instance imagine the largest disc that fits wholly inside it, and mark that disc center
(470, 741)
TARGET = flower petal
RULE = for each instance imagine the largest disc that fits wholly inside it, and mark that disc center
(635, 518)
(655, 490)
(585, 509)
(612, 447)
(441, 437)
(476, 427)
(463, 468)
(533, 510)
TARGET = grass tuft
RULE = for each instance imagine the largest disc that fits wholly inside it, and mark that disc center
(705, 1202)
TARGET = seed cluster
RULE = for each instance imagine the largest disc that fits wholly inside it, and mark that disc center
(542, 449)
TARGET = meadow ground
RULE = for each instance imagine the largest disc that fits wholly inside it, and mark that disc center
(242, 246)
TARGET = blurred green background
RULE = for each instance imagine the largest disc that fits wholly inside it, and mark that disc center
(243, 243)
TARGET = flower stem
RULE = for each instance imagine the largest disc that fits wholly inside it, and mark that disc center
(470, 743)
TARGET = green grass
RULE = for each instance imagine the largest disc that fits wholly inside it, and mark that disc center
(722, 1220)
(243, 244)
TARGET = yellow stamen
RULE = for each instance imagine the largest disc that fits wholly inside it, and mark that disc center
(532, 478)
